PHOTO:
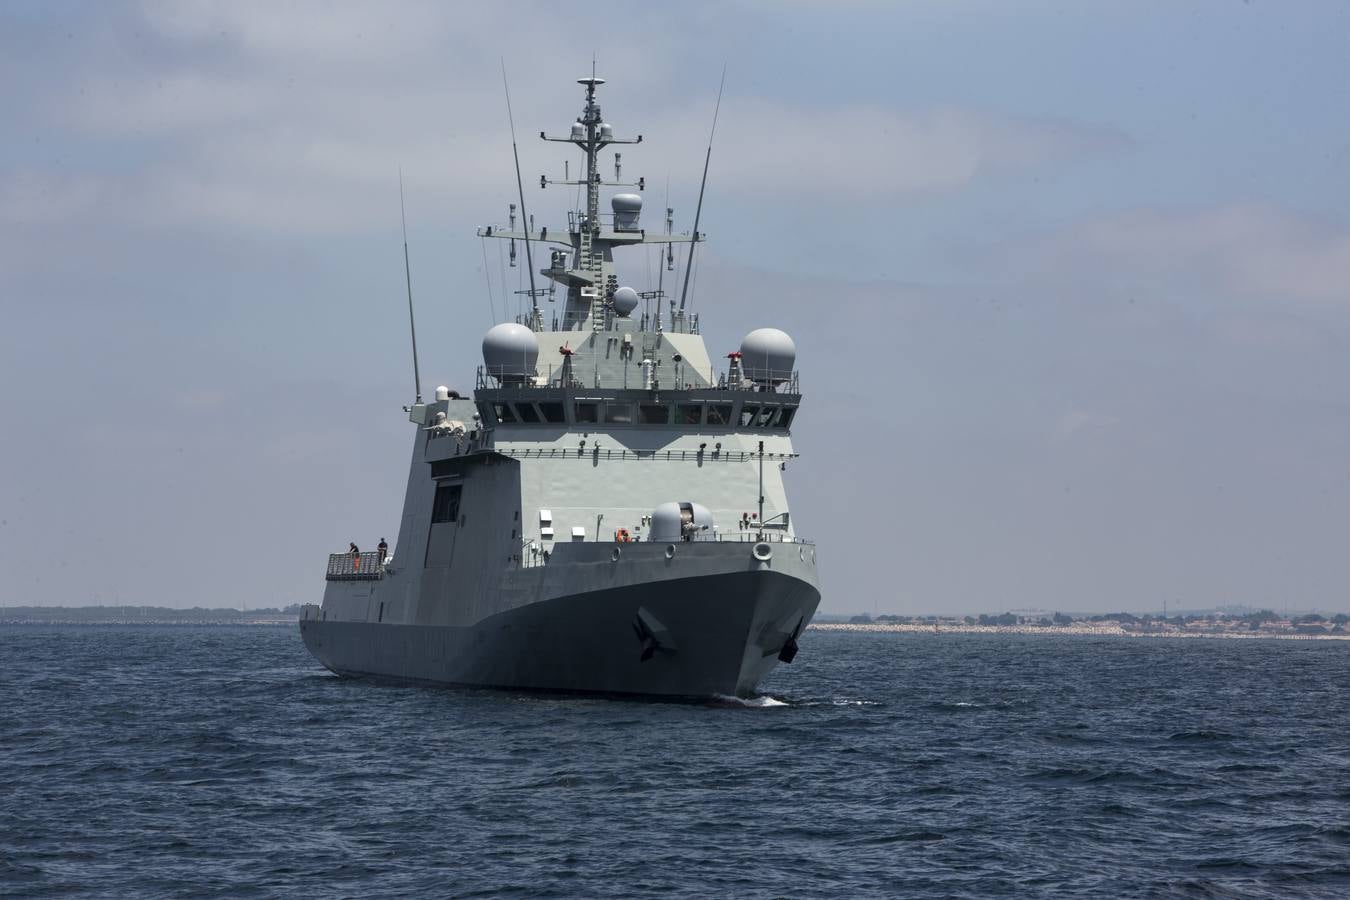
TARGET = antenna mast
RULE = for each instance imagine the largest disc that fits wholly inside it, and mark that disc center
(536, 322)
(591, 135)
(407, 273)
(684, 291)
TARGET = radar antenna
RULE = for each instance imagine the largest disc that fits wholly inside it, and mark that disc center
(689, 267)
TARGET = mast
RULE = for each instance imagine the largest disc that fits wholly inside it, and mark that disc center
(591, 134)
(591, 119)
(536, 320)
(588, 274)
(407, 273)
(707, 158)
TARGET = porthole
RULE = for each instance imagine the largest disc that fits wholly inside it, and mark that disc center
(670, 551)
(615, 554)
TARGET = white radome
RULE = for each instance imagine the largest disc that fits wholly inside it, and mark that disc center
(625, 301)
(768, 355)
(510, 350)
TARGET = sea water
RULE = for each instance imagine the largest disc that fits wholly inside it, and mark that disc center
(223, 761)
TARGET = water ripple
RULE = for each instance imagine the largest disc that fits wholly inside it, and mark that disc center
(222, 762)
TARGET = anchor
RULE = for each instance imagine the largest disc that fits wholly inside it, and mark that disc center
(652, 635)
(645, 637)
(789, 651)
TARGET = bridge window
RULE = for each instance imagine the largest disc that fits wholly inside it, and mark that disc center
(689, 414)
(446, 506)
(587, 412)
(553, 412)
(619, 413)
(503, 412)
(785, 420)
(767, 416)
(748, 414)
(527, 412)
(653, 413)
(719, 413)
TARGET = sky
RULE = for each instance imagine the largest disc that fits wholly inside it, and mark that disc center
(1069, 282)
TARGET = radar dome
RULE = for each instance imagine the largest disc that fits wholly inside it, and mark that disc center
(627, 208)
(625, 301)
(768, 355)
(681, 522)
(510, 352)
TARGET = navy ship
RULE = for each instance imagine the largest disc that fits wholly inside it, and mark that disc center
(606, 513)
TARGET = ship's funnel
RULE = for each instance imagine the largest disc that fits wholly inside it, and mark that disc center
(767, 356)
(510, 353)
(683, 521)
(627, 208)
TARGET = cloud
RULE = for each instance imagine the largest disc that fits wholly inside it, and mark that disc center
(291, 118)
(1236, 249)
(336, 31)
(861, 151)
(1083, 423)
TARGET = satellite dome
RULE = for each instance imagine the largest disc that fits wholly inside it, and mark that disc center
(578, 131)
(606, 131)
(627, 208)
(510, 352)
(681, 522)
(625, 301)
(768, 356)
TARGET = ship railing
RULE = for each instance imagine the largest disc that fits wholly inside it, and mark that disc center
(766, 536)
(746, 380)
(533, 555)
(594, 454)
(581, 322)
(355, 566)
(762, 380)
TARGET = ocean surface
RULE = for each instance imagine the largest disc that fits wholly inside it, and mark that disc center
(222, 761)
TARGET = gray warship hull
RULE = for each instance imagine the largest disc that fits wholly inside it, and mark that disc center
(607, 512)
(704, 629)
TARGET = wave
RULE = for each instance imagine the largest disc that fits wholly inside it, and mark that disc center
(763, 702)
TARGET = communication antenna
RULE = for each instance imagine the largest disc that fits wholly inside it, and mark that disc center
(520, 189)
(670, 264)
(698, 211)
(407, 273)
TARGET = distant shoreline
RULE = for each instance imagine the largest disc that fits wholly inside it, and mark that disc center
(1111, 629)
(137, 623)
(131, 615)
(1079, 629)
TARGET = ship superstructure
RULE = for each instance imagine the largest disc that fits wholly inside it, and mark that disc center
(607, 513)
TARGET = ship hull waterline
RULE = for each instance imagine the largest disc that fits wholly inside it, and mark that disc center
(696, 637)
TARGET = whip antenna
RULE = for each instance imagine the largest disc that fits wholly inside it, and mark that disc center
(520, 189)
(407, 273)
(684, 291)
